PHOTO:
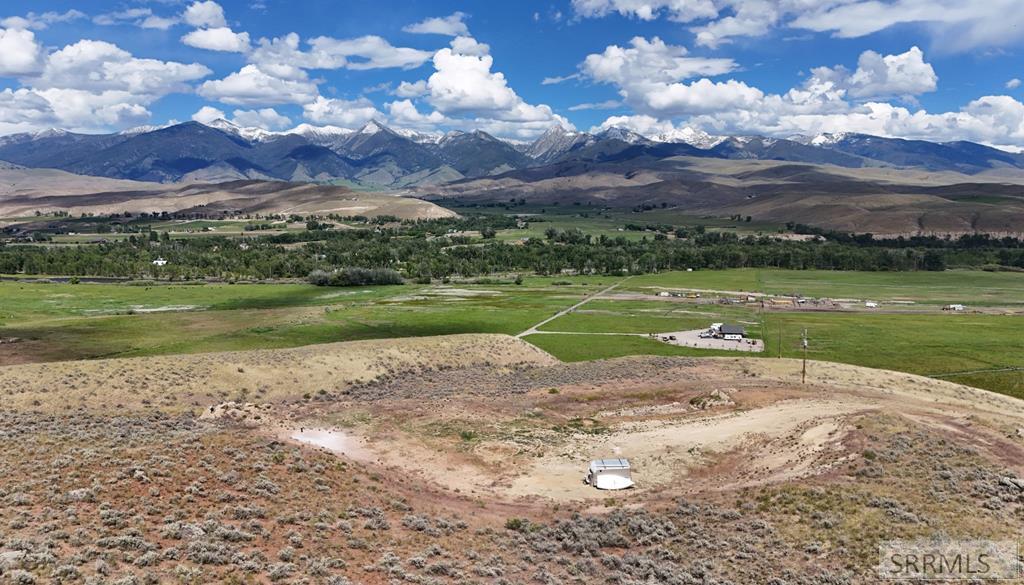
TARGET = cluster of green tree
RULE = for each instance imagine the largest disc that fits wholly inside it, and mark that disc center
(663, 228)
(419, 256)
(355, 276)
(963, 242)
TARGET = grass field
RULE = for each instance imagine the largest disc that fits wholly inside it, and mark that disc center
(611, 223)
(952, 286)
(931, 344)
(64, 321)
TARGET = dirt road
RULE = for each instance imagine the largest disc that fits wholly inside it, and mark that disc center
(535, 328)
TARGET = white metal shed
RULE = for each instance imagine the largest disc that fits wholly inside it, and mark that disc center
(609, 474)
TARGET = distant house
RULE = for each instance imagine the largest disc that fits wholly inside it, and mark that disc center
(159, 262)
(871, 305)
(956, 307)
(732, 332)
(609, 474)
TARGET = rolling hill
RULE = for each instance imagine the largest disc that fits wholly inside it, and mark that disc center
(26, 191)
(878, 200)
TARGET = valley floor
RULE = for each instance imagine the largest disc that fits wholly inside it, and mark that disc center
(908, 331)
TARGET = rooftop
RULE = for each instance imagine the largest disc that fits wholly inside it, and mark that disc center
(599, 464)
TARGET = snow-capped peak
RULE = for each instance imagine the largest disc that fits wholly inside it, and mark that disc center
(823, 139)
(828, 139)
(250, 134)
(555, 141)
(691, 136)
(371, 127)
(623, 134)
(139, 130)
(420, 137)
(50, 133)
(309, 131)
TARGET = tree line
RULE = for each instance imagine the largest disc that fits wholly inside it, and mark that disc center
(417, 252)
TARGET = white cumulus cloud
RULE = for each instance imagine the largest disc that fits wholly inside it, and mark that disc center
(452, 25)
(37, 21)
(140, 17)
(207, 14)
(20, 54)
(367, 52)
(905, 74)
(218, 39)
(266, 118)
(650, 62)
(100, 66)
(676, 10)
(953, 25)
(252, 86)
(344, 113)
(207, 114)
(466, 93)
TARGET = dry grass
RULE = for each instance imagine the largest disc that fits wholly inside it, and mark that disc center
(192, 382)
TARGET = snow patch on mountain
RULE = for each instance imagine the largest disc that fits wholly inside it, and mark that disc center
(692, 136)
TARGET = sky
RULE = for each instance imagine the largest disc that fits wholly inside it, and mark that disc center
(925, 69)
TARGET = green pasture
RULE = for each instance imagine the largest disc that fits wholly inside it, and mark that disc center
(85, 321)
(970, 287)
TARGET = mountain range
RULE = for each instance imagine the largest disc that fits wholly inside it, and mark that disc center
(379, 156)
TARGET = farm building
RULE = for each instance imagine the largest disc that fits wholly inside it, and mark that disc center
(732, 332)
(956, 307)
(159, 262)
(609, 474)
(871, 305)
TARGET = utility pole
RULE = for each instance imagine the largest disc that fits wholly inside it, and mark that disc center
(803, 376)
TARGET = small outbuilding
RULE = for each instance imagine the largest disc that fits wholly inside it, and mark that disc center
(956, 307)
(609, 474)
(159, 262)
(732, 332)
(871, 305)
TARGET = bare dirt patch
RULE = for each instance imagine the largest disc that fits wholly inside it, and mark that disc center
(692, 338)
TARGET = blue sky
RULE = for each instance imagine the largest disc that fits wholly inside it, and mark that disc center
(932, 69)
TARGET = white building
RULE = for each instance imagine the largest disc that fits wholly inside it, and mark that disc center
(956, 307)
(159, 262)
(871, 305)
(609, 474)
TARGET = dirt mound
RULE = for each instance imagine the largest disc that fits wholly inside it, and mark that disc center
(192, 382)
